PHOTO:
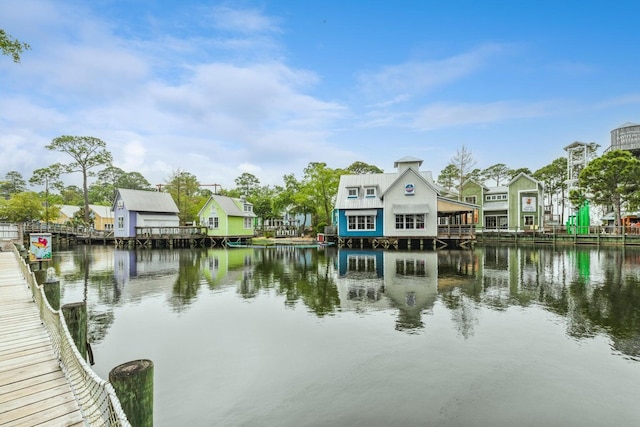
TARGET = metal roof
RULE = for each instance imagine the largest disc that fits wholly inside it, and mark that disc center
(232, 206)
(381, 181)
(147, 201)
(407, 159)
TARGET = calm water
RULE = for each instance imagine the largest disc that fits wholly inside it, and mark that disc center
(497, 336)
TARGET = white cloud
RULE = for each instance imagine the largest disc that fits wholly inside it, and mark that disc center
(400, 82)
(242, 20)
(443, 115)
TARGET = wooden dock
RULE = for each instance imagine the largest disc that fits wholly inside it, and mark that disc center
(33, 388)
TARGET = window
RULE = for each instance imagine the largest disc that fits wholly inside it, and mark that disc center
(352, 193)
(494, 197)
(410, 222)
(214, 222)
(470, 199)
(493, 222)
(528, 220)
(120, 223)
(248, 223)
(248, 207)
(370, 192)
(361, 222)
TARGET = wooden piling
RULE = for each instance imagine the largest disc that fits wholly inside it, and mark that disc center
(52, 292)
(133, 384)
(75, 314)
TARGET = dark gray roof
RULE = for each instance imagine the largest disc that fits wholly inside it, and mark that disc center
(147, 201)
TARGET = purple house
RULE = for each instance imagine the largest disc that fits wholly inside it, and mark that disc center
(140, 208)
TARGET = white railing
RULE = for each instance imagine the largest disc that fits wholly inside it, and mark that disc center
(96, 397)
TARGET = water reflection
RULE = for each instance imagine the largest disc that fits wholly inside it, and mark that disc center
(597, 291)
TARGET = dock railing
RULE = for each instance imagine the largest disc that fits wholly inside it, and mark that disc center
(96, 397)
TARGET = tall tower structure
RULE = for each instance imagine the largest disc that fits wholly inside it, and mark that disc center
(579, 154)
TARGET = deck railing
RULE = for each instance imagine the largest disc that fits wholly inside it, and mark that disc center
(568, 230)
(456, 230)
(96, 397)
(182, 231)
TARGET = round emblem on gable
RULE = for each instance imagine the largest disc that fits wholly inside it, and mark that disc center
(409, 188)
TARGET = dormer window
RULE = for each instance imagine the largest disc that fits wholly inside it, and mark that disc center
(370, 192)
(248, 207)
(352, 193)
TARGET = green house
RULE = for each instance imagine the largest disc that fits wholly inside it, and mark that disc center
(517, 206)
(227, 217)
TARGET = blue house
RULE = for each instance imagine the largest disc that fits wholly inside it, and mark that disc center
(153, 210)
(402, 207)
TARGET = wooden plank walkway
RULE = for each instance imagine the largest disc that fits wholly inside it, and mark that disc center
(33, 388)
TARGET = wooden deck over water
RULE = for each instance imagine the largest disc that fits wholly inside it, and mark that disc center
(33, 388)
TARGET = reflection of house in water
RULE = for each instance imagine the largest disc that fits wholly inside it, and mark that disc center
(224, 267)
(361, 280)
(411, 283)
(378, 280)
(140, 272)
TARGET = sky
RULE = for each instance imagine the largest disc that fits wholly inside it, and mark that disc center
(219, 88)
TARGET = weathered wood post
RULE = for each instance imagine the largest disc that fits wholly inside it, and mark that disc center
(41, 275)
(133, 384)
(75, 314)
(51, 287)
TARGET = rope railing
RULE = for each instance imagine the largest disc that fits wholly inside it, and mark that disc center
(96, 397)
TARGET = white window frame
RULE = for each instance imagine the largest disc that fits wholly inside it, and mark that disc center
(121, 223)
(410, 221)
(248, 223)
(352, 193)
(361, 223)
(370, 192)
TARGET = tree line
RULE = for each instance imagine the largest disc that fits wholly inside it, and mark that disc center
(312, 194)
(610, 180)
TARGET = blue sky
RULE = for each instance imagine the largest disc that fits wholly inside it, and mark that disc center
(220, 88)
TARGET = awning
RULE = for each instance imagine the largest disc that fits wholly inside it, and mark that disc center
(405, 208)
(361, 212)
(158, 217)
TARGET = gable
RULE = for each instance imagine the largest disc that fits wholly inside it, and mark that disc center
(227, 206)
(407, 179)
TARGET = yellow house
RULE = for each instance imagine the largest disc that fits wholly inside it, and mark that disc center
(102, 216)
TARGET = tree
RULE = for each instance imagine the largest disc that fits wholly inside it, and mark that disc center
(447, 177)
(71, 195)
(361, 168)
(263, 204)
(247, 184)
(612, 179)
(184, 187)
(554, 178)
(13, 183)
(496, 173)
(320, 184)
(293, 199)
(134, 181)
(12, 47)
(21, 207)
(103, 191)
(476, 175)
(463, 162)
(515, 172)
(49, 177)
(87, 152)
